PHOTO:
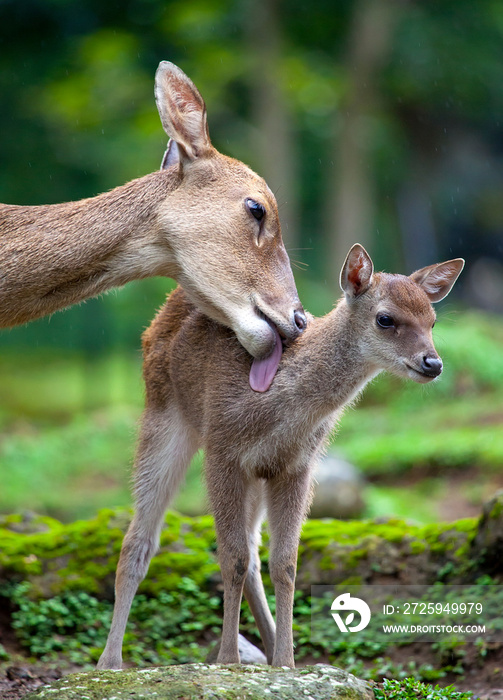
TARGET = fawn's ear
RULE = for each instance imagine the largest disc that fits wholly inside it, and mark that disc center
(356, 273)
(438, 280)
(183, 114)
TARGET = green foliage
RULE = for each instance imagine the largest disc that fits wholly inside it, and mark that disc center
(410, 446)
(77, 117)
(169, 628)
(471, 346)
(161, 630)
(88, 459)
(411, 689)
(366, 654)
(80, 435)
(73, 623)
(176, 626)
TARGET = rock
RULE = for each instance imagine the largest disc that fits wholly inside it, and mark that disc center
(338, 492)
(248, 653)
(333, 551)
(488, 542)
(200, 681)
(18, 673)
(26, 523)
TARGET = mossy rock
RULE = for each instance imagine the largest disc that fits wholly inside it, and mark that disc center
(488, 542)
(82, 556)
(393, 551)
(203, 682)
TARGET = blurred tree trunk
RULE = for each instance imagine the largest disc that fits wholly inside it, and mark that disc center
(350, 201)
(277, 154)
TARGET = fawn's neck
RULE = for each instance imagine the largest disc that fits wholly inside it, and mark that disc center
(331, 365)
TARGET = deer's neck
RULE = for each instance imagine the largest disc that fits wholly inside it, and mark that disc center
(56, 255)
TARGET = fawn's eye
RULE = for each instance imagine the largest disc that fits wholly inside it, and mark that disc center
(385, 321)
(256, 209)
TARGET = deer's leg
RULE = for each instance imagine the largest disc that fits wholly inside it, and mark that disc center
(254, 588)
(227, 490)
(164, 451)
(288, 498)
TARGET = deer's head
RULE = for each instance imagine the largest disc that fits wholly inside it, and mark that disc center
(223, 226)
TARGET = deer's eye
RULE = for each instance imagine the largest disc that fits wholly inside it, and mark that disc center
(385, 321)
(256, 209)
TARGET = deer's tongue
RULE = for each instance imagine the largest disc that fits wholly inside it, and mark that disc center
(262, 372)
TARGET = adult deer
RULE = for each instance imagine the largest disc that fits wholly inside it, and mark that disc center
(205, 219)
(261, 448)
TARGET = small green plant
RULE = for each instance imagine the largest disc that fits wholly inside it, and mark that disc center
(162, 630)
(411, 689)
(74, 622)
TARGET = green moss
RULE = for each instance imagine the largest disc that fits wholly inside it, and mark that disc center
(352, 581)
(446, 537)
(417, 547)
(198, 681)
(83, 555)
(346, 546)
(465, 525)
(497, 508)
(326, 563)
(318, 534)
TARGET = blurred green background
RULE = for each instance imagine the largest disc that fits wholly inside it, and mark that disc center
(378, 121)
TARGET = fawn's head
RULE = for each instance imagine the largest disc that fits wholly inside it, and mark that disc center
(223, 225)
(393, 314)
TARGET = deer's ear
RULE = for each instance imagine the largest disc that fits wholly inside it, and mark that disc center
(438, 280)
(182, 111)
(171, 155)
(357, 272)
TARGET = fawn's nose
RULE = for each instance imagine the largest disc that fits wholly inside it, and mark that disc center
(431, 365)
(300, 319)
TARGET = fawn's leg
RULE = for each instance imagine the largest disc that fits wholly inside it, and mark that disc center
(254, 588)
(227, 490)
(164, 451)
(288, 499)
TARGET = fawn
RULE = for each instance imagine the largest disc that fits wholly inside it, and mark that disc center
(205, 219)
(261, 447)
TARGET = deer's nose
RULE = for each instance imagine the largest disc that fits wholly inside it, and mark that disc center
(431, 365)
(300, 319)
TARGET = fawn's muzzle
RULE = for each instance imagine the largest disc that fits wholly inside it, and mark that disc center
(431, 365)
(300, 319)
(297, 325)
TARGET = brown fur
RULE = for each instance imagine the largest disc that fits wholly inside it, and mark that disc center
(261, 447)
(189, 222)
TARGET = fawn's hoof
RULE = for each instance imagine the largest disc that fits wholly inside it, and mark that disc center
(248, 653)
(109, 664)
